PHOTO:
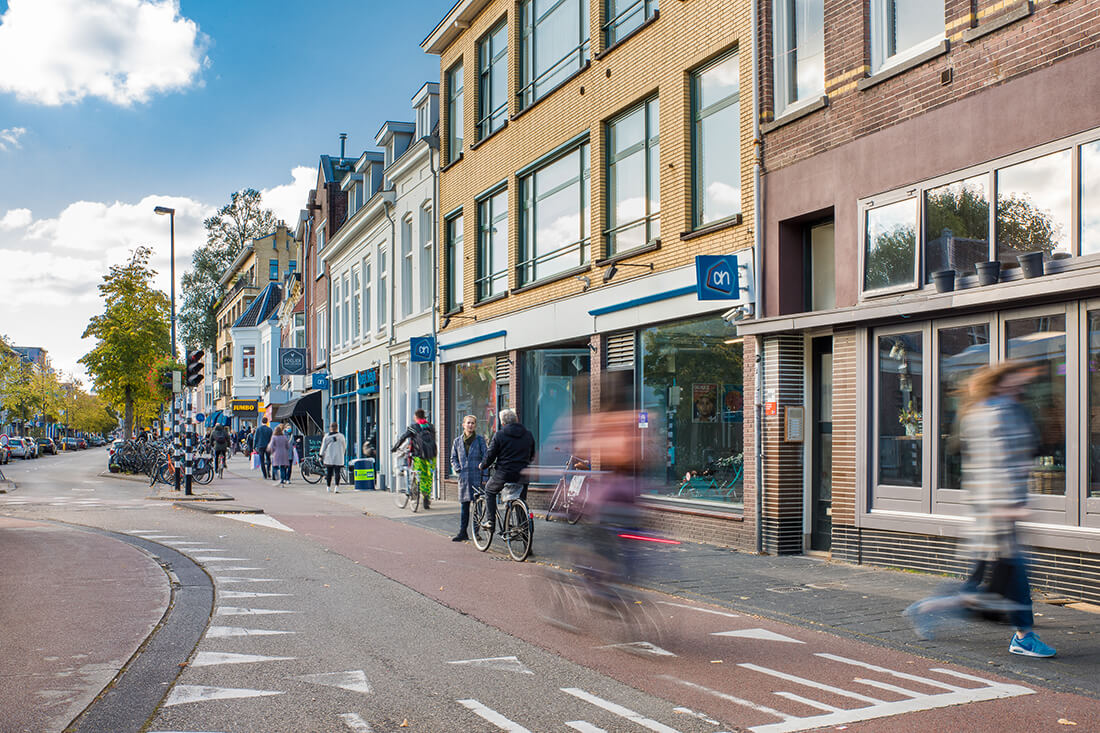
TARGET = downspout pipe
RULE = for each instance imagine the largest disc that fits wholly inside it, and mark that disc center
(758, 269)
(433, 150)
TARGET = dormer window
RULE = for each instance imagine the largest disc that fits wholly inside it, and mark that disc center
(423, 121)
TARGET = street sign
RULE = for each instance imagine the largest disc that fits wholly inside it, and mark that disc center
(717, 277)
(422, 348)
(292, 361)
(177, 381)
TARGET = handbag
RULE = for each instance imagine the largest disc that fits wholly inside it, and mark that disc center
(295, 457)
(255, 460)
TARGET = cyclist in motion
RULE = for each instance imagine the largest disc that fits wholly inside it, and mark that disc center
(421, 437)
(510, 453)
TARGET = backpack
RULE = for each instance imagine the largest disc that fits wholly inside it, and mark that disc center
(423, 441)
(220, 438)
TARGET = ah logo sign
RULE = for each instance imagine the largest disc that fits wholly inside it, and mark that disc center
(423, 349)
(717, 277)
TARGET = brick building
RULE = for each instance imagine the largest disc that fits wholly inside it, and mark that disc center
(589, 154)
(903, 139)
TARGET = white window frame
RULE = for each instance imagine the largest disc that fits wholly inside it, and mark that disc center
(878, 203)
(337, 339)
(345, 316)
(786, 14)
(368, 291)
(407, 249)
(426, 265)
(456, 95)
(881, 56)
(322, 336)
(383, 277)
(356, 304)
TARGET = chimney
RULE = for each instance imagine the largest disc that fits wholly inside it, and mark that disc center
(343, 139)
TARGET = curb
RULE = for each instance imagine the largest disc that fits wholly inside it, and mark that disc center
(183, 498)
(124, 477)
(218, 508)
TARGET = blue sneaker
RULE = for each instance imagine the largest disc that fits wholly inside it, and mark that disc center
(1030, 646)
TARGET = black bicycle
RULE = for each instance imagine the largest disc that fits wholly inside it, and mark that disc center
(513, 522)
(571, 494)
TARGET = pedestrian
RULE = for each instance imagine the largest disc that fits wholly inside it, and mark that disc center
(279, 448)
(510, 453)
(259, 445)
(467, 452)
(333, 450)
(999, 441)
(421, 437)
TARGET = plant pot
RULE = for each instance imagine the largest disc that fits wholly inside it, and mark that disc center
(944, 280)
(1031, 264)
(988, 272)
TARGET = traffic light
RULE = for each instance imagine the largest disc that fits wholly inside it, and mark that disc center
(194, 367)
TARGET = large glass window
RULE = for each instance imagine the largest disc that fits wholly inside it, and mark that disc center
(406, 267)
(1042, 341)
(903, 28)
(492, 246)
(367, 282)
(472, 390)
(1090, 198)
(626, 16)
(555, 400)
(1033, 206)
(553, 44)
(956, 227)
(492, 92)
(963, 350)
(691, 416)
(1093, 364)
(356, 307)
(337, 339)
(454, 112)
(799, 51)
(890, 245)
(383, 278)
(716, 114)
(634, 178)
(900, 409)
(454, 263)
(554, 217)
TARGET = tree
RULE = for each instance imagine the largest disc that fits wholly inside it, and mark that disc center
(132, 332)
(227, 233)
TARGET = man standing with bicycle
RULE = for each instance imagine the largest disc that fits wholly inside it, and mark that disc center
(421, 437)
(510, 453)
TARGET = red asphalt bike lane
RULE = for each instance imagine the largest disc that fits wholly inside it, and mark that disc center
(747, 672)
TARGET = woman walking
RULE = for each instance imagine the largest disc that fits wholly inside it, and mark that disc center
(467, 452)
(279, 448)
(333, 449)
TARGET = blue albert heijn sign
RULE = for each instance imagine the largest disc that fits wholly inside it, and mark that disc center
(422, 348)
(320, 380)
(717, 277)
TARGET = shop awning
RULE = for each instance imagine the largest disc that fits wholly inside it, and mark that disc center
(305, 406)
(212, 418)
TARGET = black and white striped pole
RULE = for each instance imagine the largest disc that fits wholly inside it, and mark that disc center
(177, 455)
(189, 445)
(194, 377)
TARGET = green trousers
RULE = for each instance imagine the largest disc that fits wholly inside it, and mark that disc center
(425, 467)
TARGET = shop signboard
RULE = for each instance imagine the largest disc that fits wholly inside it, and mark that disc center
(422, 348)
(292, 361)
(320, 380)
(313, 444)
(721, 277)
(245, 408)
(368, 381)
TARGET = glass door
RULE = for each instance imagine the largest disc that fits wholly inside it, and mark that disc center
(821, 482)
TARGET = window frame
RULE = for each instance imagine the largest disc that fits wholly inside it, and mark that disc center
(273, 269)
(383, 277)
(407, 249)
(918, 248)
(481, 292)
(879, 41)
(426, 281)
(648, 143)
(455, 111)
(356, 309)
(610, 30)
(454, 262)
(368, 292)
(528, 91)
(489, 64)
(697, 116)
(784, 73)
(527, 266)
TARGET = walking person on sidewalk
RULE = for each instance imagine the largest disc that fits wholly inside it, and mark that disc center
(333, 449)
(279, 448)
(999, 441)
(259, 445)
(421, 437)
(467, 452)
(510, 453)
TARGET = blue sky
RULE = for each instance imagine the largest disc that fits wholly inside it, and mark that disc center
(108, 107)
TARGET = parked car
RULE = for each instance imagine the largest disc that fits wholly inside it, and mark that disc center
(32, 446)
(113, 447)
(69, 443)
(5, 451)
(18, 448)
(45, 445)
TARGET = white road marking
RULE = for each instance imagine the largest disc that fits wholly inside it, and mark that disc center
(222, 632)
(584, 726)
(503, 664)
(259, 519)
(642, 646)
(354, 680)
(208, 659)
(696, 714)
(236, 568)
(619, 710)
(213, 558)
(202, 549)
(888, 687)
(355, 723)
(727, 697)
(237, 579)
(248, 594)
(236, 611)
(808, 702)
(198, 693)
(812, 683)
(700, 610)
(901, 675)
(492, 716)
(757, 634)
(184, 543)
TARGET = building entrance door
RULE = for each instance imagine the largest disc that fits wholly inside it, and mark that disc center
(821, 471)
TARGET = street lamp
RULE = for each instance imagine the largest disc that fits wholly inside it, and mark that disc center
(172, 224)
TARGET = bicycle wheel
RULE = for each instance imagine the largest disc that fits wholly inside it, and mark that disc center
(311, 474)
(574, 506)
(204, 473)
(414, 491)
(400, 496)
(344, 475)
(517, 530)
(556, 500)
(483, 537)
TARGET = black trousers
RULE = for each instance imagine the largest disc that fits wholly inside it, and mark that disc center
(331, 471)
(265, 463)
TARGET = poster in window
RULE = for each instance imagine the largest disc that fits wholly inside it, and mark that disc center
(733, 403)
(704, 403)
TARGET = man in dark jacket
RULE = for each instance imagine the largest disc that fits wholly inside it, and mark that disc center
(259, 444)
(510, 453)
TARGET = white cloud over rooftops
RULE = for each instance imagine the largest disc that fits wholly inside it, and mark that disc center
(55, 52)
(288, 199)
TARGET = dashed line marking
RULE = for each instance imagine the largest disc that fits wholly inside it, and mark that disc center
(700, 610)
(492, 716)
(619, 710)
(503, 664)
(355, 723)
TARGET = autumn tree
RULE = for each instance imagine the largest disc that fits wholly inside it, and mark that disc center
(227, 233)
(132, 332)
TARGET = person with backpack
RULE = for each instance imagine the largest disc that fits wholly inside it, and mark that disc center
(333, 449)
(421, 437)
(220, 440)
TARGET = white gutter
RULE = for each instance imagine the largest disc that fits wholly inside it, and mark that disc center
(758, 269)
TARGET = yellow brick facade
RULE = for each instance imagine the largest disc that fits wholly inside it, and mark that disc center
(658, 59)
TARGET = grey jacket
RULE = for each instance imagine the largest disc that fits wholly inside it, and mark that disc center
(333, 448)
(470, 477)
(279, 447)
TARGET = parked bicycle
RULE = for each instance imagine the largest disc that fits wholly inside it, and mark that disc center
(571, 494)
(313, 469)
(406, 486)
(514, 523)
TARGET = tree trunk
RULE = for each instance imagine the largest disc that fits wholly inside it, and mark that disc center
(128, 421)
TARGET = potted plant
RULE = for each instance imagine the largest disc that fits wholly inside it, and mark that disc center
(1031, 263)
(910, 417)
(944, 280)
(988, 272)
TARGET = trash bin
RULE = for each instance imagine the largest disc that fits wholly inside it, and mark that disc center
(362, 473)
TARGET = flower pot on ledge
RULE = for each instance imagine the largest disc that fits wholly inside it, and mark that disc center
(944, 280)
(1031, 264)
(989, 273)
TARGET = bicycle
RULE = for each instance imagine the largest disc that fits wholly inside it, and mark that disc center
(571, 493)
(402, 497)
(513, 523)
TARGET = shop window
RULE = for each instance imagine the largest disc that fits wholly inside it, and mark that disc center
(472, 389)
(554, 217)
(492, 246)
(1090, 198)
(624, 17)
(454, 112)
(1093, 365)
(901, 29)
(962, 350)
(454, 263)
(956, 227)
(634, 178)
(890, 246)
(716, 154)
(553, 45)
(900, 424)
(1033, 208)
(492, 92)
(555, 400)
(692, 397)
(799, 52)
(1041, 341)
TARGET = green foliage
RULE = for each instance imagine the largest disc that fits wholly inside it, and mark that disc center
(227, 233)
(29, 391)
(160, 377)
(1023, 228)
(890, 259)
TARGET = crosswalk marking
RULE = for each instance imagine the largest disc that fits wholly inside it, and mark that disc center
(808, 702)
(235, 579)
(504, 664)
(355, 723)
(727, 697)
(492, 716)
(214, 558)
(812, 683)
(248, 594)
(237, 611)
(584, 726)
(619, 710)
(901, 675)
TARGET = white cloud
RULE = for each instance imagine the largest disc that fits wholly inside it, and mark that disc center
(290, 198)
(55, 52)
(9, 136)
(15, 219)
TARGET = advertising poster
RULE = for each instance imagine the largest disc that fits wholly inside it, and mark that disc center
(733, 403)
(704, 403)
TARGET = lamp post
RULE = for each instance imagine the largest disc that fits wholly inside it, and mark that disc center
(175, 421)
